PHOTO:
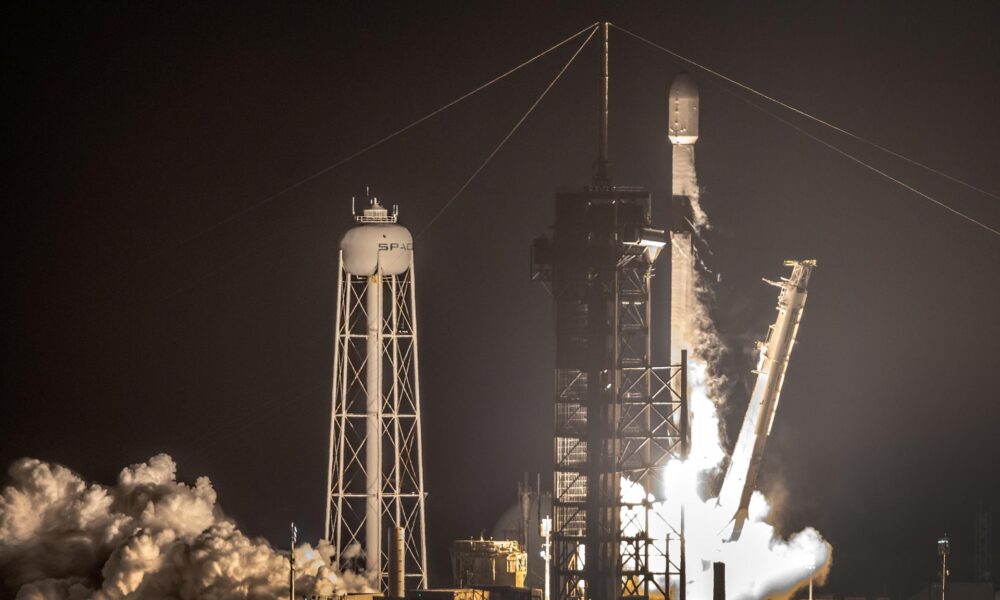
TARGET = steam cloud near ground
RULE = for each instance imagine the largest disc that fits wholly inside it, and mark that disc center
(147, 537)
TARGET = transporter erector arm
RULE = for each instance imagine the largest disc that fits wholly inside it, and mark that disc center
(775, 350)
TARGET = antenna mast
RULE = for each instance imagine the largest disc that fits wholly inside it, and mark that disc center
(602, 172)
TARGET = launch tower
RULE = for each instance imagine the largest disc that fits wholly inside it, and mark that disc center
(375, 484)
(615, 410)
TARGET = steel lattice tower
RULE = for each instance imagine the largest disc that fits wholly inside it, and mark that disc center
(375, 481)
(616, 412)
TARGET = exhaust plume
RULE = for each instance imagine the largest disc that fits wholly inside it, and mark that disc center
(146, 537)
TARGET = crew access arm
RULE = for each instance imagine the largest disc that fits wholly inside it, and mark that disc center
(775, 350)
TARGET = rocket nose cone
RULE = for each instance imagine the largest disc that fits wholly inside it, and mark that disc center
(684, 88)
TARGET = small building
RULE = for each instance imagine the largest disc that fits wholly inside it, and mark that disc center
(497, 592)
(448, 594)
(488, 563)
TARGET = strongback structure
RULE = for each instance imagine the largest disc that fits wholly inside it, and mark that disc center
(775, 351)
(375, 479)
(615, 410)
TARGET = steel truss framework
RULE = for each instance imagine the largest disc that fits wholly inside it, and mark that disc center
(399, 492)
(616, 413)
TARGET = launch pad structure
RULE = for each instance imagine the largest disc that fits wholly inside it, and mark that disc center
(617, 412)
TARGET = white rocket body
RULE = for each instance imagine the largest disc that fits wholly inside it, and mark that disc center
(683, 299)
(683, 133)
(683, 127)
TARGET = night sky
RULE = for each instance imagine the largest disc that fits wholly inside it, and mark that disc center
(148, 310)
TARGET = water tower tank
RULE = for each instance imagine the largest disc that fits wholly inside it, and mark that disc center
(377, 242)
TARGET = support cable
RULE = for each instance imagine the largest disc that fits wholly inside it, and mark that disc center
(367, 148)
(851, 157)
(807, 115)
(829, 145)
(124, 269)
(508, 136)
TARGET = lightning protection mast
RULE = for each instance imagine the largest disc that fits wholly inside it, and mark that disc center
(375, 481)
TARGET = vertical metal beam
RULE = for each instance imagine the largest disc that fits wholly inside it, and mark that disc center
(650, 482)
(685, 416)
(328, 521)
(340, 395)
(412, 275)
(719, 582)
(683, 574)
(291, 564)
(602, 144)
(373, 435)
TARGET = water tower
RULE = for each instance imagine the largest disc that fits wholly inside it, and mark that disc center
(375, 485)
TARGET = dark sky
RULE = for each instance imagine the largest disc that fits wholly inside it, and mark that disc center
(135, 126)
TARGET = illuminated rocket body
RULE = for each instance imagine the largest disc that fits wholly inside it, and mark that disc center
(683, 133)
(775, 350)
(683, 125)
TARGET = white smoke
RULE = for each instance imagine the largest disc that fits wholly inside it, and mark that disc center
(146, 537)
(759, 565)
(685, 183)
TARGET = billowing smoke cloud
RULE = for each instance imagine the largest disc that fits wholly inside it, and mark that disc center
(146, 537)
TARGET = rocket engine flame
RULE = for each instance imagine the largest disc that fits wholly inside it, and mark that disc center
(148, 536)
